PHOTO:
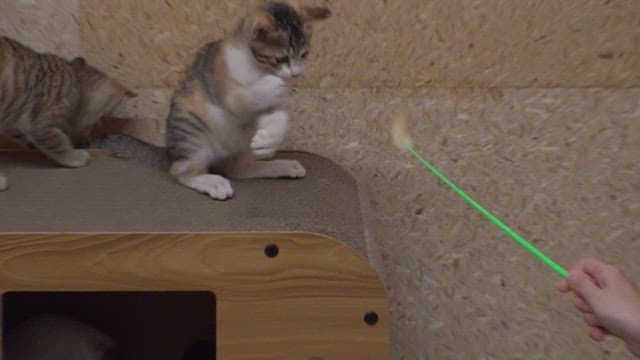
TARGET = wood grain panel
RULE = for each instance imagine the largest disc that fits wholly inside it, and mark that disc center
(306, 303)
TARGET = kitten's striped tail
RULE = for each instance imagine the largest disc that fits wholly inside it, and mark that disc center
(129, 148)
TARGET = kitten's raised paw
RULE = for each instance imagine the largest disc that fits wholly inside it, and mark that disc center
(265, 144)
(272, 129)
(267, 93)
(75, 158)
(293, 169)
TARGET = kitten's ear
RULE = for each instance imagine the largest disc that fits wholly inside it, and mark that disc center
(313, 13)
(262, 27)
(78, 61)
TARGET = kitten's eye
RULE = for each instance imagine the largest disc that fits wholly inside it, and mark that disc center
(282, 60)
(304, 54)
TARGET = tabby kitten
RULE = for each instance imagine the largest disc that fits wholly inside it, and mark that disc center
(226, 115)
(46, 100)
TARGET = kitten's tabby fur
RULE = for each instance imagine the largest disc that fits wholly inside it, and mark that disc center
(229, 103)
(46, 101)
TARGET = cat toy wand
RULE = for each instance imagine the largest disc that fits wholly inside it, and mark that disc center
(402, 140)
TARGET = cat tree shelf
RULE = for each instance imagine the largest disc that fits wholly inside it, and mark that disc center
(278, 272)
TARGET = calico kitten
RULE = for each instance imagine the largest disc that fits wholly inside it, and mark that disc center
(233, 83)
(226, 115)
(46, 101)
(55, 337)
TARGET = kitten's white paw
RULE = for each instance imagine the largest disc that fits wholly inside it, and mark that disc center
(267, 93)
(293, 169)
(4, 182)
(216, 186)
(272, 129)
(75, 158)
(265, 144)
(264, 154)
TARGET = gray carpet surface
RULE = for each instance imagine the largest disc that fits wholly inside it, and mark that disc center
(113, 195)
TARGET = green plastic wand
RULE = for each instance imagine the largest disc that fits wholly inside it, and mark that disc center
(402, 140)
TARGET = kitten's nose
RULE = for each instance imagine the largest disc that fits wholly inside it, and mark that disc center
(296, 70)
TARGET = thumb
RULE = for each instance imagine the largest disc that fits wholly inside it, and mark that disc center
(563, 286)
(583, 285)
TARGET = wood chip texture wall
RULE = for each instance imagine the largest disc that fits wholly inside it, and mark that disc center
(533, 107)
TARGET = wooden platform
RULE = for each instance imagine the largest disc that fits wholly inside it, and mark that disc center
(284, 259)
(308, 302)
(112, 195)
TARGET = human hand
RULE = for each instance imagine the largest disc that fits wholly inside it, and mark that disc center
(609, 302)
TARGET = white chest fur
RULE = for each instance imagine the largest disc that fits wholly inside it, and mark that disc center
(241, 65)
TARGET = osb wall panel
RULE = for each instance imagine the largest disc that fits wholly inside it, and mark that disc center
(408, 43)
(560, 166)
(45, 25)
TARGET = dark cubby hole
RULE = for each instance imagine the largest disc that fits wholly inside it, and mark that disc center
(171, 325)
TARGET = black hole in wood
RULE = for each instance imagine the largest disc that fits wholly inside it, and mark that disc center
(371, 318)
(271, 250)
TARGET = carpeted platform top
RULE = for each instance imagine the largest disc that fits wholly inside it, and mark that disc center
(112, 195)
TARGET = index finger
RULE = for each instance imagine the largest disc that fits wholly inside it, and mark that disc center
(594, 268)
